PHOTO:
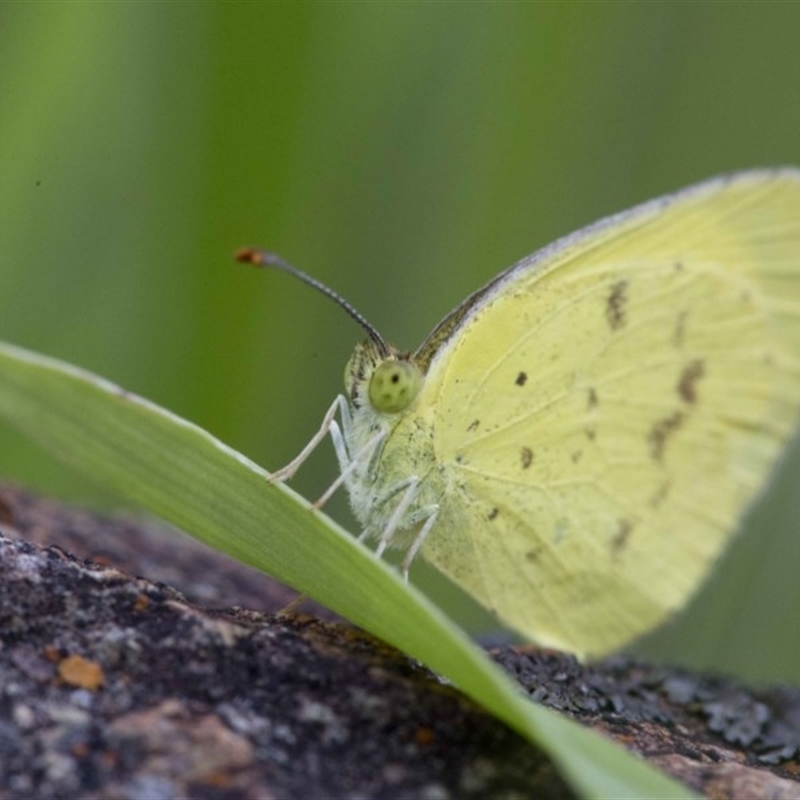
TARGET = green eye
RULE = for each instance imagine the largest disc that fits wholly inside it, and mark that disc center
(393, 386)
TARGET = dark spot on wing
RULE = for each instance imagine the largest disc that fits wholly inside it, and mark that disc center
(526, 456)
(493, 514)
(615, 305)
(521, 379)
(687, 383)
(533, 554)
(620, 539)
(591, 402)
(660, 494)
(661, 432)
(473, 426)
(678, 266)
(576, 456)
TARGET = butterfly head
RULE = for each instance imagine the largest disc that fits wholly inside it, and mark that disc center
(387, 384)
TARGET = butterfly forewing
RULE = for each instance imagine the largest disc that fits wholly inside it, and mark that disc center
(603, 414)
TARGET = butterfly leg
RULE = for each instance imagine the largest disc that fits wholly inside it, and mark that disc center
(409, 488)
(285, 473)
(347, 464)
(432, 512)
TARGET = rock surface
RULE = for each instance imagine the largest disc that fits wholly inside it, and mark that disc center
(114, 686)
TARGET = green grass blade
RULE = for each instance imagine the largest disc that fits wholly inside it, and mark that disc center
(192, 480)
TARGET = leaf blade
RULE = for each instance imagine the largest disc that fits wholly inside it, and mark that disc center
(185, 475)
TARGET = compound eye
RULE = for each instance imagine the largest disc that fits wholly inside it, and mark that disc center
(393, 386)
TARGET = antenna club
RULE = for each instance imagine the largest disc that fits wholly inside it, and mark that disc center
(254, 256)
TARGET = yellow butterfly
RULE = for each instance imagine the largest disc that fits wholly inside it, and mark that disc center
(576, 443)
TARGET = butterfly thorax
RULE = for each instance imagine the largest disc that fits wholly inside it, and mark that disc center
(382, 391)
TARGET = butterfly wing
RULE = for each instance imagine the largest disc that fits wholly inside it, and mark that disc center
(606, 410)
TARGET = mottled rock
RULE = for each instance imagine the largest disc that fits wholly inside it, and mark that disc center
(116, 686)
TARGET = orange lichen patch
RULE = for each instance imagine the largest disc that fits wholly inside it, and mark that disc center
(142, 603)
(792, 767)
(52, 654)
(79, 671)
(423, 736)
(218, 779)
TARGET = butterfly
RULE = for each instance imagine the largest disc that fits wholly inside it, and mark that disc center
(576, 443)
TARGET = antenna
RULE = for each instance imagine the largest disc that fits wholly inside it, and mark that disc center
(265, 259)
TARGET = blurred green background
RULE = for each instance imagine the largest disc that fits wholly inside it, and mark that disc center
(403, 153)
